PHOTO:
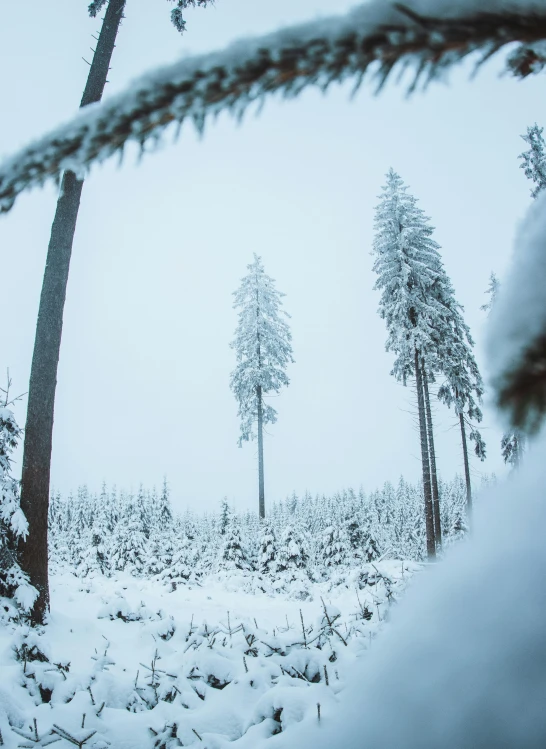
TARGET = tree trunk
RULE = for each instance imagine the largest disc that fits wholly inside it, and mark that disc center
(45, 359)
(433, 472)
(261, 487)
(466, 464)
(429, 516)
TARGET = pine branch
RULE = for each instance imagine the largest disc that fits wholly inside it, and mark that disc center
(373, 39)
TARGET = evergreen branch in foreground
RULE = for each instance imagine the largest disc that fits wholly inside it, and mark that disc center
(379, 36)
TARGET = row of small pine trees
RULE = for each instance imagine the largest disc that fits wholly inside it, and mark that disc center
(139, 533)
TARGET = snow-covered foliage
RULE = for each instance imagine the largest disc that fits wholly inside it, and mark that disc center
(176, 13)
(377, 36)
(262, 345)
(423, 318)
(303, 538)
(14, 583)
(127, 663)
(493, 291)
(534, 160)
(408, 266)
(517, 332)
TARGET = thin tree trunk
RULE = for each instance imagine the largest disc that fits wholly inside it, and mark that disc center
(261, 486)
(429, 516)
(466, 464)
(45, 359)
(433, 472)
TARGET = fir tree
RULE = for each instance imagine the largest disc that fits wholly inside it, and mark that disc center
(293, 552)
(183, 565)
(463, 386)
(225, 516)
(333, 549)
(408, 265)
(268, 552)
(534, 160)
(263, 349)
(233, 556)
(130, 540)
(14, 583)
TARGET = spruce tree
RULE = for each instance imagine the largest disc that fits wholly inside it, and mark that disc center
(233, 555)
(463, 385)
(293, 551)
(534, 160)
(263, 349)
(268, 553)
(407, 264)
(130, 547)
(14, 583)
(333, 548)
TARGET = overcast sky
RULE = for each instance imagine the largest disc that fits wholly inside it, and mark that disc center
(143, 387)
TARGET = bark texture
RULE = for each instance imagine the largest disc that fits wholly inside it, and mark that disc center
(261, 484)
(429, 512)
(43, 374)
(433, 472)
(466, 464)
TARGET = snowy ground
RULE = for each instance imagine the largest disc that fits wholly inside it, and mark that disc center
(130, 664)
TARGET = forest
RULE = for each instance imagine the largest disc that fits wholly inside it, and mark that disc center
(132, 618)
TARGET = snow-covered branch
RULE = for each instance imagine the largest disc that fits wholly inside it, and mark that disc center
(427, 35)
(517, 339)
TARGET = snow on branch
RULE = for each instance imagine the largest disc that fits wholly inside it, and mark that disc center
(517, 338)
(430, 36)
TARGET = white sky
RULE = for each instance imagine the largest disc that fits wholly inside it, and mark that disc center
(143, 385)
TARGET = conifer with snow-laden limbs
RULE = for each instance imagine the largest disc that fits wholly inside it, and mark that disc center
(406, 263)
(534, 160)
(14, 583)
(263, 346)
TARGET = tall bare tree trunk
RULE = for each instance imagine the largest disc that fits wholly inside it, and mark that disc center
(45, 359)
(433, 472)
(466, 464)
(429, 513)
(261, 485)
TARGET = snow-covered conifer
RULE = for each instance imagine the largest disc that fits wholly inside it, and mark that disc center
(263, 349)
(333, 547)
(233, 555)
(534, 160)
(268, 554)
(225, 516)
(130, 547)
(293, 551)
(14, 583)
(408, 266)
(182, 567)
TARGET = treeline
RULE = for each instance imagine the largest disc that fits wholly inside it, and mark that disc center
(138, 532)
